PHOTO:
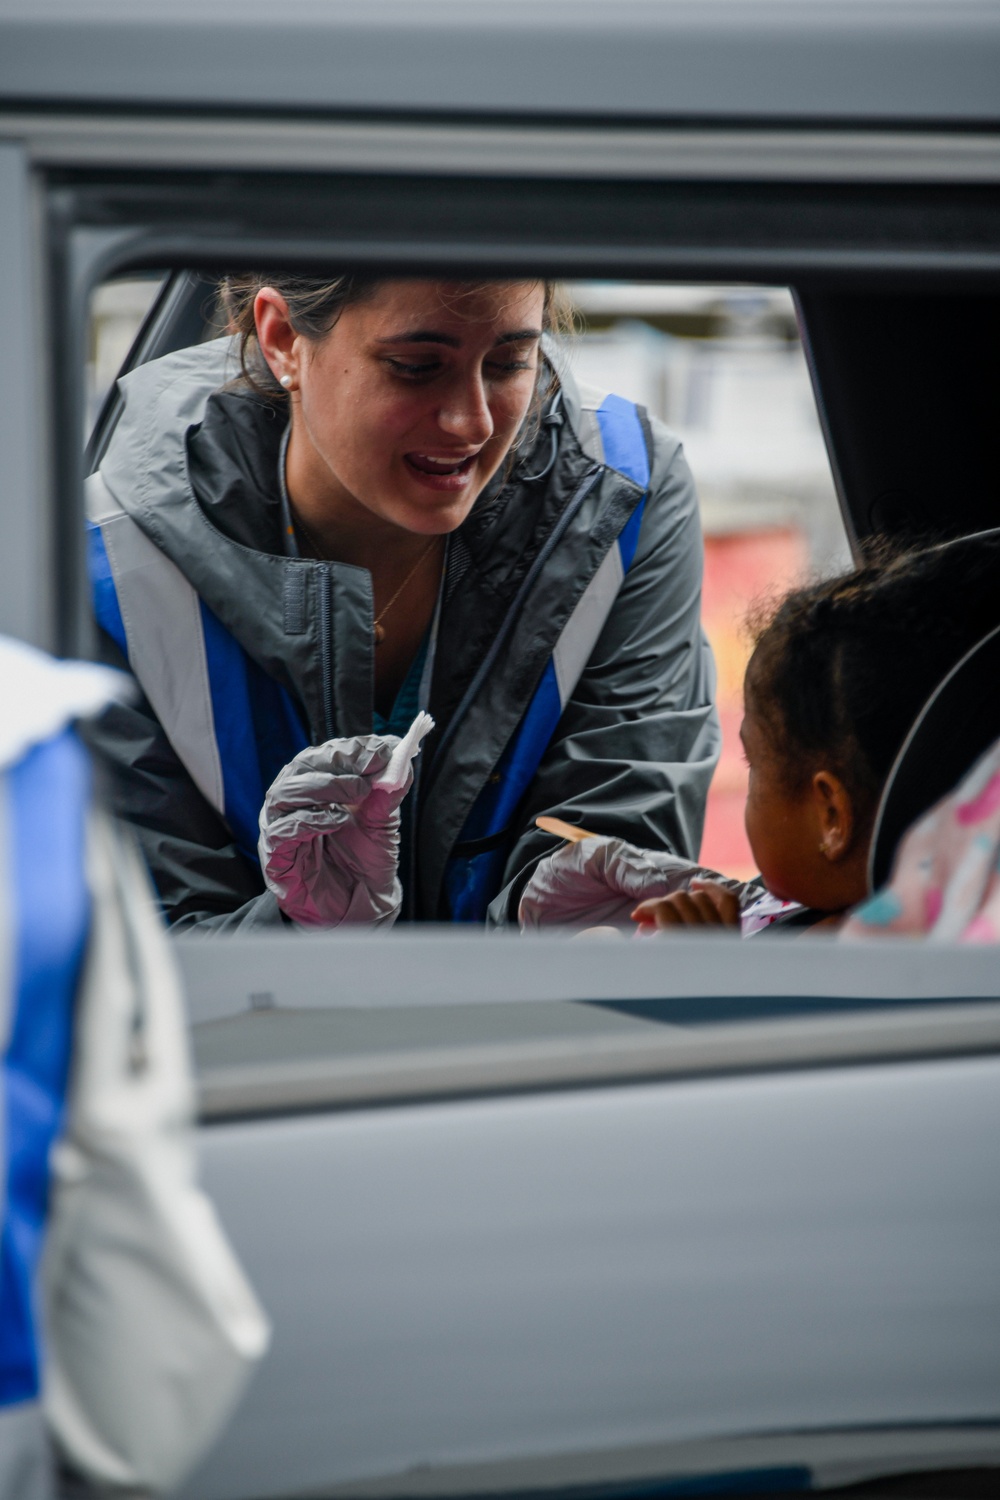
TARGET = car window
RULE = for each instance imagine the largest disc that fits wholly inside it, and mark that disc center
(720, 360)
(118, 309)
(723, 367)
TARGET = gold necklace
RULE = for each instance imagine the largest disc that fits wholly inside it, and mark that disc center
(378, 629)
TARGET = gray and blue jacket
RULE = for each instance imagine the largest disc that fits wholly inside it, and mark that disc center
(570, 674)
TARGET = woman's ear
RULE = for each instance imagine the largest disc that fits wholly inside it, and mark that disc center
(834, 810)
(277, 338)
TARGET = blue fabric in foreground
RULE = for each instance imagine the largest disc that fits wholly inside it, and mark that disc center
(47, 796)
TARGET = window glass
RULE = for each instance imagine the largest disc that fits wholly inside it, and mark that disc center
(117, 312)
(723, 366)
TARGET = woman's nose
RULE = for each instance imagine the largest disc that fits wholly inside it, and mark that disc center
(465, 412)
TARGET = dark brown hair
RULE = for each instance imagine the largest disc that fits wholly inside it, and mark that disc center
(841, 668)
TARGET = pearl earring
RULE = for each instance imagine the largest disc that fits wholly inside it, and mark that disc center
(286, 381)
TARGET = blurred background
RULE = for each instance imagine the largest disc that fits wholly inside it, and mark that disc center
(723, 367)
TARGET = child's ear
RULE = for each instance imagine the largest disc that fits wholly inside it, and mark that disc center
(834, 811)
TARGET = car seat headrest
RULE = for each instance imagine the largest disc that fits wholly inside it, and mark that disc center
(957, 724)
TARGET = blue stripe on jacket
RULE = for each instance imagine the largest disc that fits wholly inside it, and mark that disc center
(258, 728)
(47, 796)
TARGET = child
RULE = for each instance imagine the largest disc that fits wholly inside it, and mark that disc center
(838, 674)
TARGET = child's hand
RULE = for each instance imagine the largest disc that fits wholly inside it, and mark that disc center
(704, 904)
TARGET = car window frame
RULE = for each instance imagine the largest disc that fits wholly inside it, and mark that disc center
(93, 210)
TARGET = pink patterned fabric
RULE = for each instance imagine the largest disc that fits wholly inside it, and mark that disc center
(945, 882)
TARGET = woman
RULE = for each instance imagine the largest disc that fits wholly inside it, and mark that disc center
(377, 496)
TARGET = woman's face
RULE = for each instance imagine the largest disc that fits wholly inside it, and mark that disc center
(409, 405)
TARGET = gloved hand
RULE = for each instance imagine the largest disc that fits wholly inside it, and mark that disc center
(600, 881)
(329, 828)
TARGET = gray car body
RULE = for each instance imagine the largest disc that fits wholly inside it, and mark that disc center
(510, 1240)
(875, 61)
(514, 1243)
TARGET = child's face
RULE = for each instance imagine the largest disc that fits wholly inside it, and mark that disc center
(806, 843)
(778, 822)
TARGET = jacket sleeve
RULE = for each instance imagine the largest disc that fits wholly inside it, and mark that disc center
(201, 877)
(635, 749)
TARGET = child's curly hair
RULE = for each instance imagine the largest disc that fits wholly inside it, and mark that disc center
(841, 668)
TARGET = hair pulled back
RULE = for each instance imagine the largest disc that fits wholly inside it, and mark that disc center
(841, 669)
(315, 304)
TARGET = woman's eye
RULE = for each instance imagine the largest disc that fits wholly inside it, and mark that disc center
(508, 367)
(427, 369)
(413, 372)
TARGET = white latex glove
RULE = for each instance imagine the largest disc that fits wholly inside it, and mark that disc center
(599, 882)
(329, 828)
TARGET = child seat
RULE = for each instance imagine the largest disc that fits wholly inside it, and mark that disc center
(957, 724)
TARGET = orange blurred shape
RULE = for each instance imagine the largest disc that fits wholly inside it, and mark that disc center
(741, 569)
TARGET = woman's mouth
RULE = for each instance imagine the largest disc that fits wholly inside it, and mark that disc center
(441, 471)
